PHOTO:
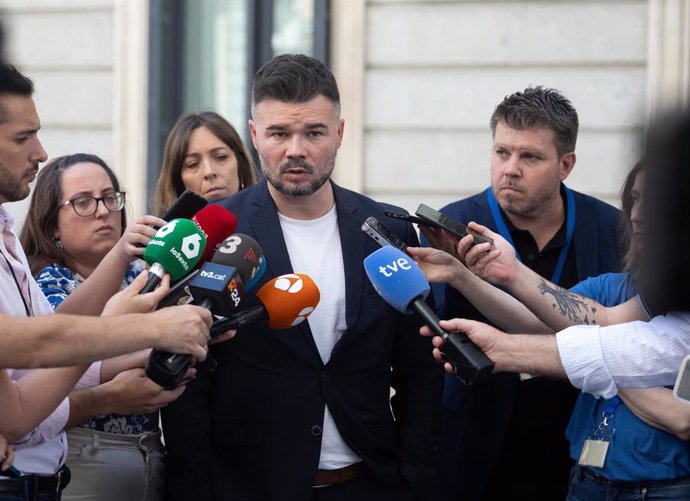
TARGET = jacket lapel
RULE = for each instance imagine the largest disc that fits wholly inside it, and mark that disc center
(266, 226)
(353, 242)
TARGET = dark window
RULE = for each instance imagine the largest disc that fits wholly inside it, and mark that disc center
(203, 55)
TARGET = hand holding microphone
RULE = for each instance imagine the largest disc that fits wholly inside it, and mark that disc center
(400, 282)
(216, 224)
(132, 300)
(181, 244)
(135, 237)
(218, 286)
(175, 249)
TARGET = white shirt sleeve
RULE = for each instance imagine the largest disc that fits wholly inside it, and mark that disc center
(599, 360)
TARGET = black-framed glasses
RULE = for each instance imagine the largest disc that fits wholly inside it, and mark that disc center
(86, 205)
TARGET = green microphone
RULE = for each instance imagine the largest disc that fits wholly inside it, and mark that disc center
(175, 249)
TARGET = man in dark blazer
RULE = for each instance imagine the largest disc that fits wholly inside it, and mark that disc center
(307, 413)
(504, 439)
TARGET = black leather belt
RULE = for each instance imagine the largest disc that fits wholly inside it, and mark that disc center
(623, 484)
(36, 484)
(325, 478)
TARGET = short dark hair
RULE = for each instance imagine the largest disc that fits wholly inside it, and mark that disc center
(13, 82)
(540, 107)
(294, 78)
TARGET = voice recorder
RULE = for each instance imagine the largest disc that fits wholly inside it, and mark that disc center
(382, 235)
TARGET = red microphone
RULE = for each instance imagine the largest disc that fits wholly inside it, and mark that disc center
(285, 302)
(216, 223)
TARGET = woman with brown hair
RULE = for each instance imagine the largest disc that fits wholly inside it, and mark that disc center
(205, 154)
(76, 222)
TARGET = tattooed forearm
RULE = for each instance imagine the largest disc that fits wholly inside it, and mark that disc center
(569, 305)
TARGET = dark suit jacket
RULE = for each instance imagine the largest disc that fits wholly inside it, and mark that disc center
(252, 428)
(481, 417)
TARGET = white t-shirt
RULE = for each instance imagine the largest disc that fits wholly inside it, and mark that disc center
(314, 249)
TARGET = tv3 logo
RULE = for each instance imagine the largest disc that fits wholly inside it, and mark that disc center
(399, 264)
(230, 244)
(190, 245)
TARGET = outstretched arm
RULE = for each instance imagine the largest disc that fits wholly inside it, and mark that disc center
(556, 307)
(659, 408)
(598, 360)
(496, 305)
(61, 340)
(129, 392)
(511, 353)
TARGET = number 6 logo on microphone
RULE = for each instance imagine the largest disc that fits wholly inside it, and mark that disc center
(167, 229)
(191, 246)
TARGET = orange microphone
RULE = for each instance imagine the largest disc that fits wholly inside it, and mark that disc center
(285, 302)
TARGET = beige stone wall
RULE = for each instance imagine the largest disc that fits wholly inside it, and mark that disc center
(66, 47)
(434, 70)
(88, 60)
(419, 79)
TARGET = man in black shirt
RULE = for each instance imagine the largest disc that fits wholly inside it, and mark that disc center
(504, 438)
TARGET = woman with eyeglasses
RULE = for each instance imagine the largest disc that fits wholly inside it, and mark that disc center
(76, 221)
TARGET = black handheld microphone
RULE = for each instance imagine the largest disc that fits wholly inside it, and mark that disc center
(219, 286)
(186, 205)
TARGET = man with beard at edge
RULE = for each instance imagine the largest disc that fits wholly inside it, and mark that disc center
(504, 439)
(34, 409)
(306, 413)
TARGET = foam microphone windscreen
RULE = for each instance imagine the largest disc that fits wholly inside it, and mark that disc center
(245, 254)
(396, 277)
(402, 284)
(176, 248)
(216, 223)
(288, 299)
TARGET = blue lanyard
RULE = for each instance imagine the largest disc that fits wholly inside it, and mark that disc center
(612, 406)
(569, 228)
(605, 429)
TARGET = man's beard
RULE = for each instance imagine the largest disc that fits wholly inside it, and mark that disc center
(525, 206)
(297, 190)
(11, 188)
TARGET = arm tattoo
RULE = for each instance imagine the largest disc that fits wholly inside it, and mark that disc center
(569, 305)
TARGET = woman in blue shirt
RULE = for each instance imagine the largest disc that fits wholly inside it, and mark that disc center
(76, 219)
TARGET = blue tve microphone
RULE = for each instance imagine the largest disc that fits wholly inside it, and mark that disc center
(400, 282)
